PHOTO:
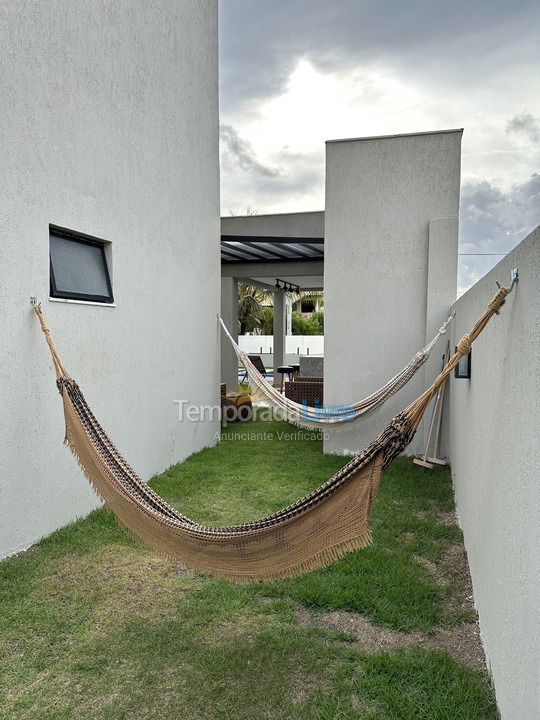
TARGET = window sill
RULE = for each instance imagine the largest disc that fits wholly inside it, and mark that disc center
(82, 302)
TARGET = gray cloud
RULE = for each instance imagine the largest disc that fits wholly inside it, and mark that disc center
(302, 179)
(239, 152)
(525, 124)
(261, 41)
(494, 221)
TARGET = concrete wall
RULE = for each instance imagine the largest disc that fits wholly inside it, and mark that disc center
(494, 449)
(229, 314)
(390, 271)
(109, 127)
(302, 224)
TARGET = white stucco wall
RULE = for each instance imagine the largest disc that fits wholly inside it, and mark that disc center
(229, 315)
(495, 456)
(109, 127)
(301, 224)
(390, 219)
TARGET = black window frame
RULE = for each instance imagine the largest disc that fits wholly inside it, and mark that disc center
(462, 371)
(83, 240)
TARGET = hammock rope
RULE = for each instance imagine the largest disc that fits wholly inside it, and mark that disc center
(300, 414)
(310, 533)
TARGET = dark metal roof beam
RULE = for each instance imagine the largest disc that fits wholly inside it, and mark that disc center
(281, 253)
(299, 251)
(279, 240)
(241, 254)
(229, 255)
(318, 250)
(254, 252)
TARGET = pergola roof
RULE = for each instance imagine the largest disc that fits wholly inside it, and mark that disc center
(266, 249)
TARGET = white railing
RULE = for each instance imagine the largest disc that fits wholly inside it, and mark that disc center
(294, 344)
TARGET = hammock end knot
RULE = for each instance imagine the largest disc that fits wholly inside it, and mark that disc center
(464, 345)
(498, 301)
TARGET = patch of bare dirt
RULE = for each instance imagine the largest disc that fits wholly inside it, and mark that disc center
(462, 642)
(453, 572)
(432, 568)
(371, 638)
(455, 568)
(447, 518)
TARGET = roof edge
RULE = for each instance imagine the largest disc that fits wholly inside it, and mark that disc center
(396, 135)
(281, 214)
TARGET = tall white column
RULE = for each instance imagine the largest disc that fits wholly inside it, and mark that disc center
(441, 293)
(229, 313)
(280, 325)
(381, 195)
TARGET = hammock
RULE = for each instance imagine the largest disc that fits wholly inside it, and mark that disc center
(301, 414)
(310, 533)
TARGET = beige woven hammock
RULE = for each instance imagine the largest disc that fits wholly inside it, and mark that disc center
(306, 416)
(310, 533)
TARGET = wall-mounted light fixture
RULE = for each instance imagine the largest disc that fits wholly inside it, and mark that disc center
(463, 368)
(287, 286)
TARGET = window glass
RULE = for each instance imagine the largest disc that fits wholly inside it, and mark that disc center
(78, 269)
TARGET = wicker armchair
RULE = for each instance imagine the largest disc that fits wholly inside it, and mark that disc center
(307, 391)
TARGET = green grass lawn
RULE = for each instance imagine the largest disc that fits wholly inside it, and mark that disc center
(92, 625)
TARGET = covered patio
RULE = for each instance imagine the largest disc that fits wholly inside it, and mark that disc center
(272, 252)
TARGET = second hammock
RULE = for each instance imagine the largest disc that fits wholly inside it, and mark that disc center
(301, 414)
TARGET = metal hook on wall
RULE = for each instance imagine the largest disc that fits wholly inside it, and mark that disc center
(514, 279)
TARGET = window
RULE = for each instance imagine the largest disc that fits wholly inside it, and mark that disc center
(308, 306)
(463, 368)
(78, 267)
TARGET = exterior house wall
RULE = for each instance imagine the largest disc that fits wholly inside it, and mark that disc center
(229, 315)
(110, 128)
(494, 449)
(301, 224)
(390, 218)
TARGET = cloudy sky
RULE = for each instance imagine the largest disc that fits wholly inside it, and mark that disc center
(298, 72)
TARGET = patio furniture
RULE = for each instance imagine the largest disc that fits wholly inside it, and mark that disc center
(296, 370)
(258, 364)
(311, 365)
(284, 370)
(235, 406)
(306, 391)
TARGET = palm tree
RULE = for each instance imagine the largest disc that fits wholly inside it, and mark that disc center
(251, 303)
(254, 307)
